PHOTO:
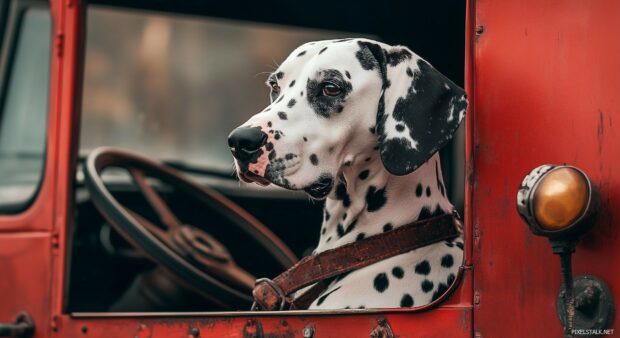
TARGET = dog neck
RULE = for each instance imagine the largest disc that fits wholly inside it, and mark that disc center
(368, 200)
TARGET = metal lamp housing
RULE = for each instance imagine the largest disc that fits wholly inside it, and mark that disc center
(526, 198)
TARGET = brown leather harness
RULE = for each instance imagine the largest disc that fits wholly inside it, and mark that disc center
(322, 268)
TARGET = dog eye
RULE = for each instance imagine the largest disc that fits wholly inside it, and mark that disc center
(274, 87)
(330, 89)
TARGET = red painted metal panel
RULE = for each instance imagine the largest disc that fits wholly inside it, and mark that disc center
(431, 324)
(25, 275)
(546, 81)
(452, 319)
(32, 243)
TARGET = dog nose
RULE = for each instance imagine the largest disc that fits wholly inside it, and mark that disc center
(245, 142)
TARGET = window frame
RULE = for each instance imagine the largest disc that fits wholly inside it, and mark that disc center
(458, 298)
(15, 11)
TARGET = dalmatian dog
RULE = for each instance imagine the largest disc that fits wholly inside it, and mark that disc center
(359, 124)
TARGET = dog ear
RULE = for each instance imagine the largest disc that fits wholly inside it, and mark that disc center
(419, 111)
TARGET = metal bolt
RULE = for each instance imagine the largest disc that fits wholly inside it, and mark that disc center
(54, 323)
(479, 29)
(194, 332)
(84, 329)
(308, 331)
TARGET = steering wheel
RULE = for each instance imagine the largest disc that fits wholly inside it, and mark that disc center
(187, 253)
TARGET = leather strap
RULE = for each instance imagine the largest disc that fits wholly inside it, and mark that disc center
(276, 294)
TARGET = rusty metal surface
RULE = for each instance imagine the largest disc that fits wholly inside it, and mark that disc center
(545, 82)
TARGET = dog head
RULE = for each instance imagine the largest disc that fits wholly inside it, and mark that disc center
(339, 102)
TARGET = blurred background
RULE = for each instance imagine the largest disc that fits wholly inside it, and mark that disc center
(173, 87)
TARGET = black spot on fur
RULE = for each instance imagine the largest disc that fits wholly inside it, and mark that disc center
(418, 190)
(400, 128)
(292, 83)
(301, 53)
(398, 56)
(406, 301)
(323, 297)
(276, 136)
(269, 124)
(451, 279)
(347, 74)
(301, 93)
(344, 216)
(324, 105)
(280, 75)
(290, 156)
(328, 239)
(342, 231)
(327, 215)
(447, 261)
(305, 139)
(314, 159)
(423, 268)
(269, 146)
(441, 289)
(426, 213)
(409, 72)
(280, 99)
(387, 227)
(341, 194)
(272, 155)
(398, 272)
(282, 115)
(367, 159)
(339, 109)
(360, 236)
(460, 245)
(368, 55)
(372, 129)
(322, 50)
(428, 191)
(381, 282)
(291, 103)
(440, 186)
(363, 175)
(427, 285)
(375, 199)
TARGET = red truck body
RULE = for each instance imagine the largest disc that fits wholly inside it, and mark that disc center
(542, 79)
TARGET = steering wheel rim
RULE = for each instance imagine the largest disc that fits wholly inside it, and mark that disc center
(130, 226)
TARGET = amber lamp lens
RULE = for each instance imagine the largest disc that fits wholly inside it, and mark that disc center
(560, 198)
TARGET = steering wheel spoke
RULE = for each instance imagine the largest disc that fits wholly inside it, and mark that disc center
(157, 203)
